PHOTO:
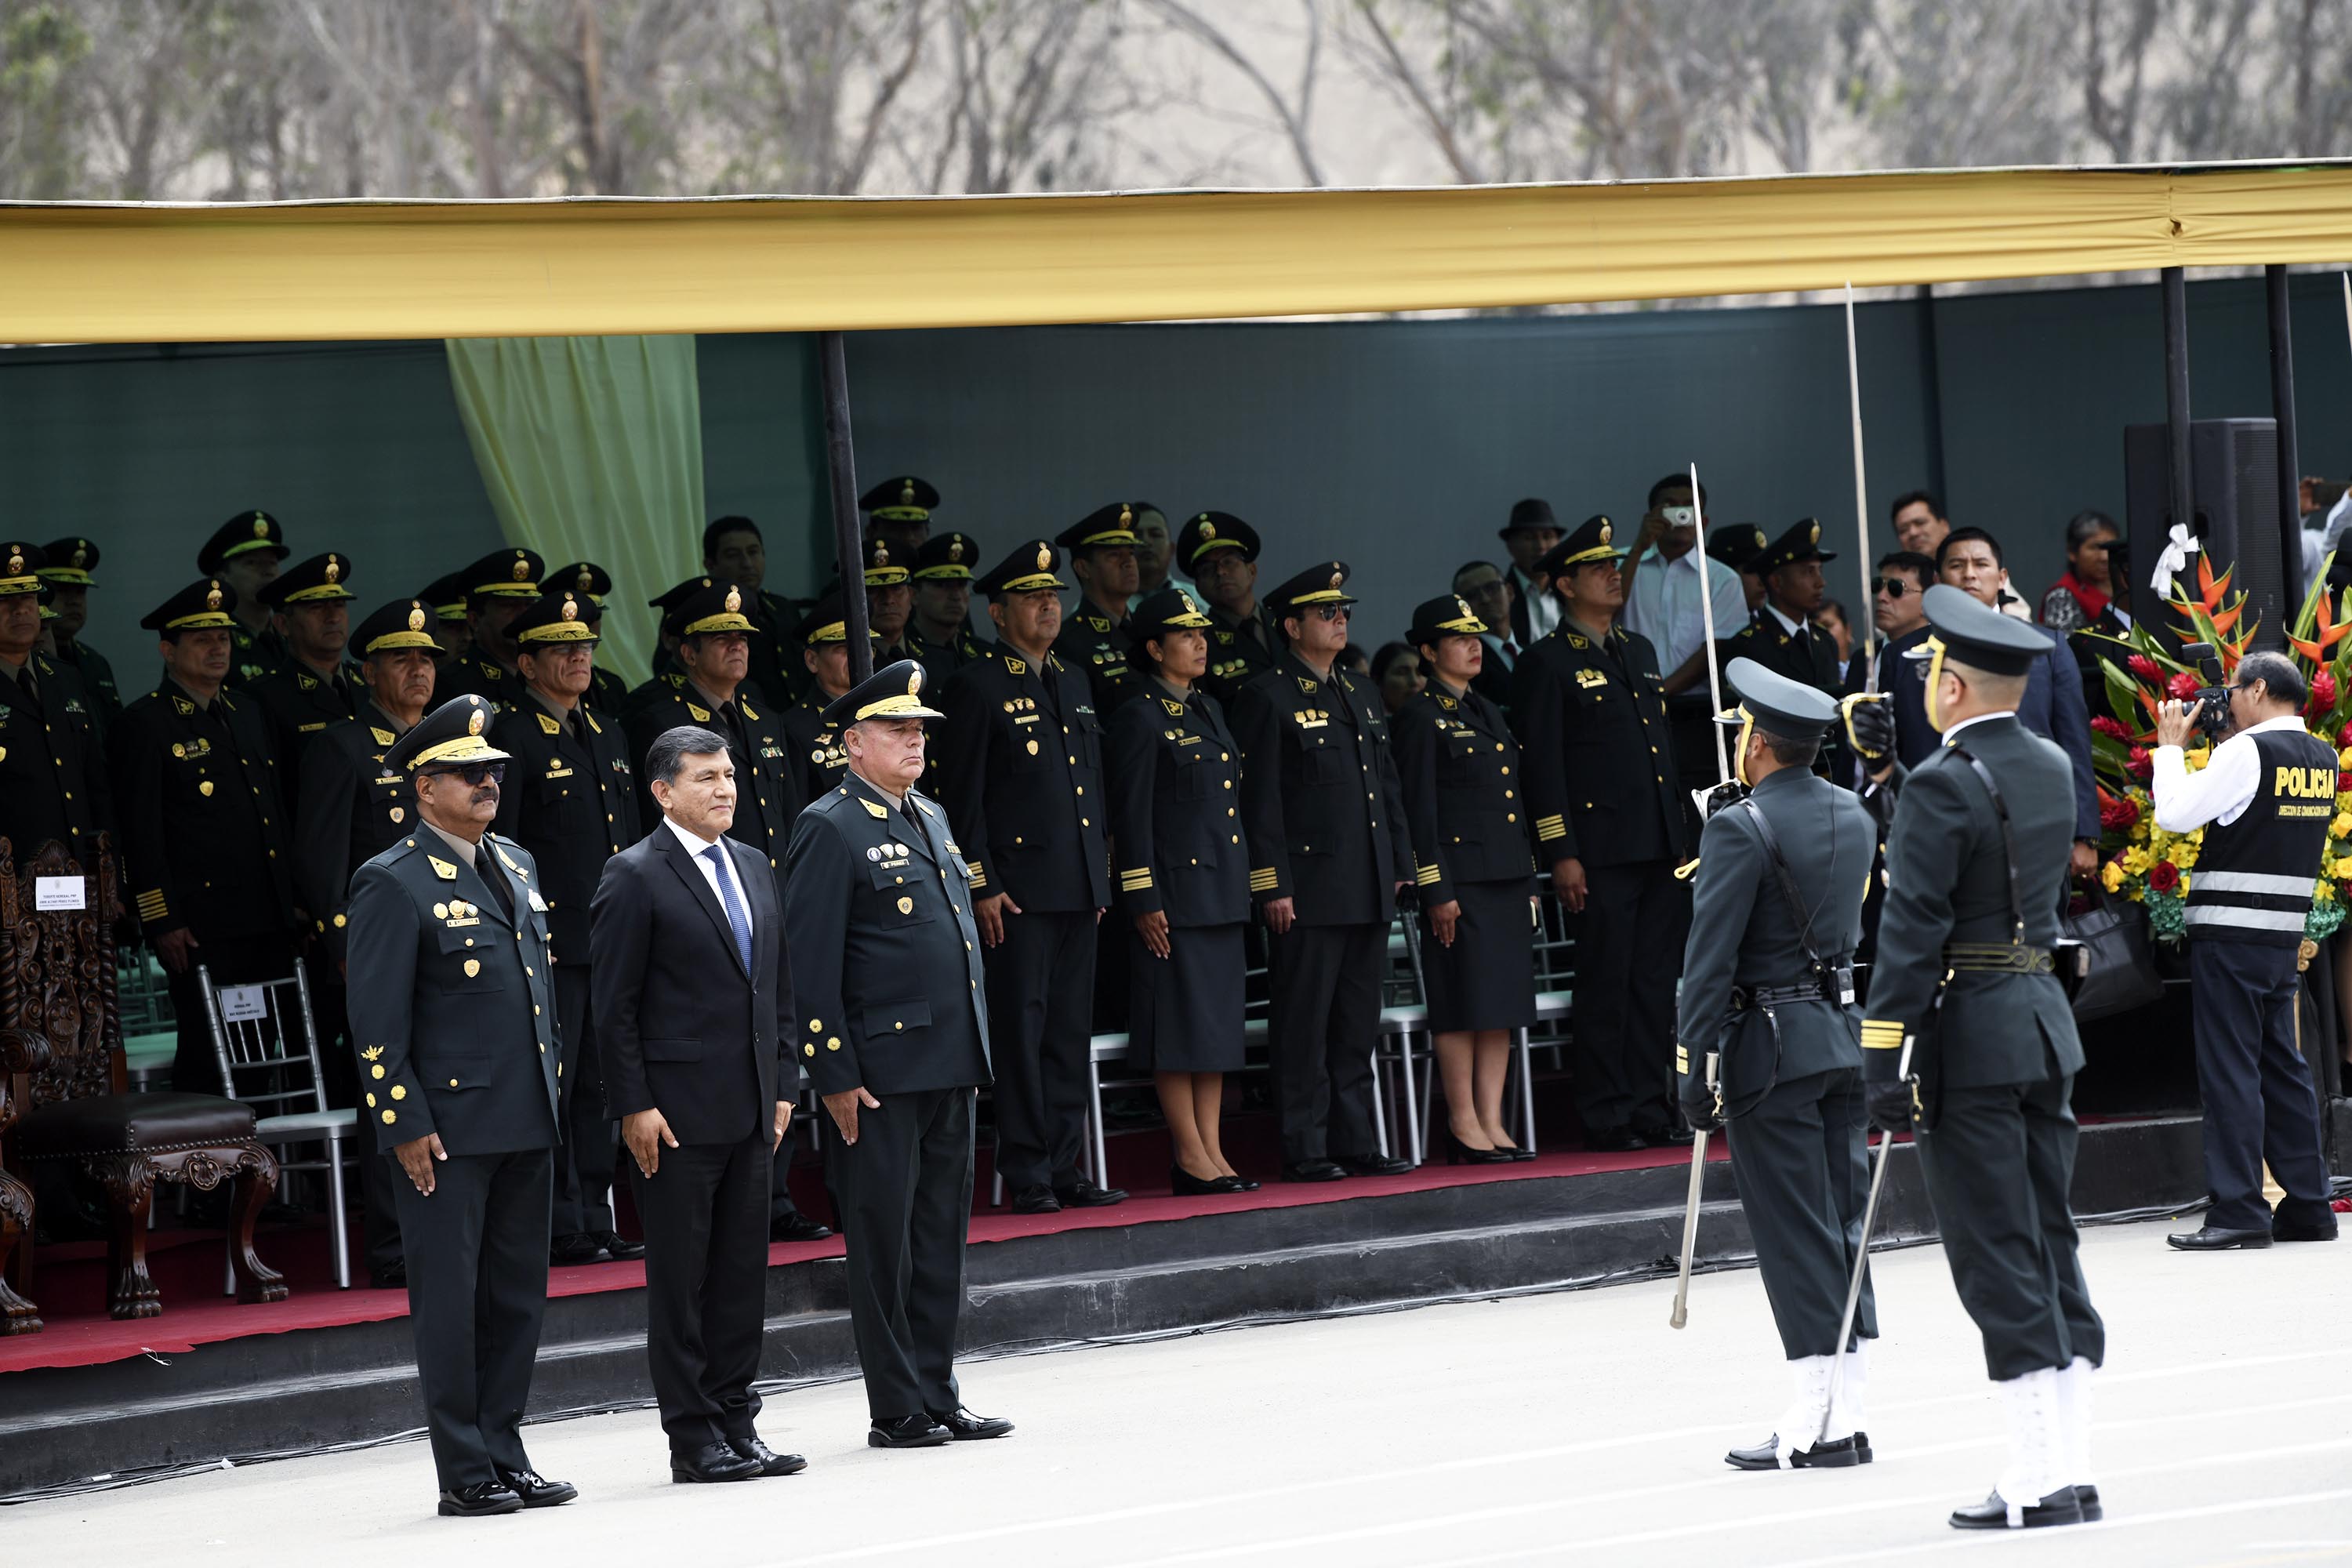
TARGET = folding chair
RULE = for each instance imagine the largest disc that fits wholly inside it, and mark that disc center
(253, 1040)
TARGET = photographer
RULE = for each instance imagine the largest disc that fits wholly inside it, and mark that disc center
(2265, 798)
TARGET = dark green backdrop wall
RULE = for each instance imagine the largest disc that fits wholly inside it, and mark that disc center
(1397, 446)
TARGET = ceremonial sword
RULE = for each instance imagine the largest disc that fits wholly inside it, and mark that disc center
(1862, 1258)
(1690, 1205)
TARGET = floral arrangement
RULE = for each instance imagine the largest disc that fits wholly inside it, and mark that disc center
(2140, 860)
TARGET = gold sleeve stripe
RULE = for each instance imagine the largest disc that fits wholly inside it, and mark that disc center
(1882, 1035)
(1426, 877)
(1261, 881)
(152, 905)
(1550, 828)
(978, 876)
(1682, 1058)
(1135, 881)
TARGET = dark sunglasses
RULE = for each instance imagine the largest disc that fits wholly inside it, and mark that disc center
(1893, 587)
(1330, 612)
(478, 773)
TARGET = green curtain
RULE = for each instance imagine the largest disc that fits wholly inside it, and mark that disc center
(591, 449)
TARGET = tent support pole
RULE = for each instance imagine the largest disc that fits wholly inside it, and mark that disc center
(841, 464)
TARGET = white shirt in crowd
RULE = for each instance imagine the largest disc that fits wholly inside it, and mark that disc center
(1665, 604)
(2218, 792)
(1543, 607)
(695, 846)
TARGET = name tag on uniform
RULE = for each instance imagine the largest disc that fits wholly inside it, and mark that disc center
(1589, 679)
(538, 903)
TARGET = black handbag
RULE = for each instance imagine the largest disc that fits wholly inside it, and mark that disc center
(2119, 971)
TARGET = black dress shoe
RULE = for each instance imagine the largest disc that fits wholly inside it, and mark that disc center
(1374, 1164)
(1833, 1455)
(1667, 1137)
(536, 1490)
(1183, 1184)
(906, 1432)
(392, 1279)
(2061, 1507)
(479, 1500)
(1612, 1141)
(1457, 1153)
(1313, 1171)
(2088, 1500)
(964, 1426)
(1037, 1198)
(797, 1227)
(1082, 1193)
(711, 1462)
(2212, 1238)
(569, 1251)
(771, 1463)
(2288, 1230)
(620, 1249)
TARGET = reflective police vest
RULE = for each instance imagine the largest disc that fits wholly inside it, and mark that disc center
(2253, 877)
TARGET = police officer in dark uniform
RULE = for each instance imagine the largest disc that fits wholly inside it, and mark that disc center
(1977, 870)
(941, 633)
(1458, 763)
(1771, 1045)
(1737, 545)
(497, 587)
(1218, 552)
(816, 746)
(877, 904)
(69, 579)
(353, 809)
(454, 1005)
(667, 676)
(1183, 885)
(1590, 711)
(1780, 635)
(445, 597)
(890, 598)
(714, 637)
(898, 511)
(1325, 871)
(54, 779)
(570, 798)
(313, 688)
(245, 553)
(204, 828)
(1020, 768)
(589, 584)
(1092, 639)
(733, 551)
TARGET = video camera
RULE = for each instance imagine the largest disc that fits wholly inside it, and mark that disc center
(2210, 707)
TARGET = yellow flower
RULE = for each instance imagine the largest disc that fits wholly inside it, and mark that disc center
(2112, 876)
(2197, 757)
(2341, 825)
(2183, 890)
(2344, 758)
(2137, 860)
(2325, 891)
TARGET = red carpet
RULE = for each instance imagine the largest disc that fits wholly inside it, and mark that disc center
(71, 1283)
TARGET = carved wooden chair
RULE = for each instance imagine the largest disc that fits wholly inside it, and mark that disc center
(19, 1052)
(57, 985)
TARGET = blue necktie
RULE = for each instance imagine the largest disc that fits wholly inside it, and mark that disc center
(737, 915)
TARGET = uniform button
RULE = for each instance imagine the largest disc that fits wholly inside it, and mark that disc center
(1506, 795)
(453, 1083)
(1086, 822)
(1074, 762)
(1237, 838)
(1082, 789)
(1229, 783)
(1223, 758)
(1511, 817)
(1498, 746)
(1196, 862)
(1506, 767)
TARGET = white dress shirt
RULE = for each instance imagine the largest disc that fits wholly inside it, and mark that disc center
(1543, 607)
(1665, 604)
(695, 846)
(2220, 790)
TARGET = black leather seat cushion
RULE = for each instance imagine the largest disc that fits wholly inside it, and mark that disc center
(116, 1123)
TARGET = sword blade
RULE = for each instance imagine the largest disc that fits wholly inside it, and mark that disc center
(1861, 1256)
(1690, 1230)
(1706, 616)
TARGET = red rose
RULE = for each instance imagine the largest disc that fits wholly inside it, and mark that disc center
(2164, 876)
(2113, 729)
(2118, 814)
(2182, 686)
(2139, 664)
(2139, 763)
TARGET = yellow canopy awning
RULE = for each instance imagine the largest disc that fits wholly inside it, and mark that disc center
(88, 273)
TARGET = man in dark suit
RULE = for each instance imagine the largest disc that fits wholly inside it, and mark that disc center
(573, 803)
(53, 771)
(877, 904)
(1532, 534)
(1768, 987)
(1020, 768)
(454, 1008)
(206, 834)
(1326, 869)
(2052, 705)
(1975, 876)
(694, 1005)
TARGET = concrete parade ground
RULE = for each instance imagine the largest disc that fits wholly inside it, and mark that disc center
(1572, 1428)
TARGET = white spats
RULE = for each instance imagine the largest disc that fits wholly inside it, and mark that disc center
(1800, 1427)
(2036, 1442)
(1845, 1398)
(2075, 1421)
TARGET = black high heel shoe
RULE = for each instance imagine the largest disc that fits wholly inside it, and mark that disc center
(1457, 1153)
(1517, 1152)
(1183, 1184)
(1237, 1184)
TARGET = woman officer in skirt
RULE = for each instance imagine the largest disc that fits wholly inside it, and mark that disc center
(1183, 883)
(1476, 874)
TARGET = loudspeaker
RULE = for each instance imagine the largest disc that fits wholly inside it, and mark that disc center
(2234, 496)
